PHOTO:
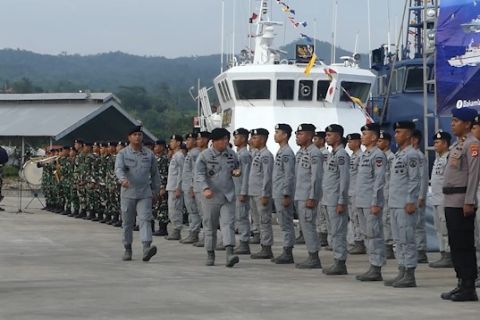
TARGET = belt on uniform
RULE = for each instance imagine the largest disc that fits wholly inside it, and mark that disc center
(454, 190)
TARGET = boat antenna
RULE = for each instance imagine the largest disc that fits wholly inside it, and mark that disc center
(334, 30)
(233, 30)
(369, 35)
(222, 36)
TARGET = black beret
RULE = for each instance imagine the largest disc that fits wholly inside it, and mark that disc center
(135, 129)
(306, 127)
(371, 127)
(284, 127)
(241, 132)
(177, 137)
(203, 134)
(148, 143)
(335, 128)
(88, 144)
(219, 133)
(404, 125)
(190, 135)
(464, 114)
(183, 146)
(385, 135)
(260, 132)
(67, 147)
(160, 142)
(353, 136)
(417, 134)
(441, 135)
(78, 141)
(320, 134)
(73, 149)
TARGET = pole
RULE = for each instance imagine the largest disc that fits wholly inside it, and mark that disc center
(369, 35)
(222, 30)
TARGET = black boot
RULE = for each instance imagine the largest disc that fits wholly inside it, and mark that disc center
(358, 248)
(264, 253)
(389, 254)
(148, 251)
(243, 248)
(467, 292)
(98, 217)
(408, 280)
(127, 255)
(448, 295)
(162, 230)
(191, 238)
(323, 239)
(338, 268)
(136, 228)
(312, 262)
(422, 256)
(175, 235)
(82, 214)
(400, 275)
(444, 262)
(255, 239)
(210, 258)
(118, 224)
(373, 274)
(231, 258)
(285, 258)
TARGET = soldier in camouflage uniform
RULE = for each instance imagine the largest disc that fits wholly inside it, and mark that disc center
(110, 184)
(160, 208)
(47, 183)
(95, 181)
(83, 170)
(65, 166)
(73, 196)
(1, 185)
(103, 214)
(58, 191)
(116, 205)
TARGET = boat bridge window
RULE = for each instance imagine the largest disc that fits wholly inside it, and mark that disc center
(322, 89)
(414, 80)
(305, 90)
(252, 89)
(285, 89)
(355, 89)
(222, 92)
(393, 79)
(226, 90)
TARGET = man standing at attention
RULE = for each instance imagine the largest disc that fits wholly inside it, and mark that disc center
(174, 187)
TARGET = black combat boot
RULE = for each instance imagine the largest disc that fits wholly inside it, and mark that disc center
(373, 274)
(408, 280)
(285, 258)
(82, 214)
(127, 255)
(98, 217)
(422, 256)
(231, 258)
(323, 239)
(400, 275)
(264, 253)
(467, 292)
(444, 262)
(162, 230)
(192, 238)
(448, 295)
(210, 258)
(338, 268)
(389, 254)
(175, 235)
(243, 248)
(148, 251)
(255, 239)
(312, 262)
(358, 248)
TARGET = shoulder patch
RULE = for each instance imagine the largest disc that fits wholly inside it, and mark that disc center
(265, 160)
(412, 163)
(285, 158)
(341, 160)
(474, 148)
(379, 162)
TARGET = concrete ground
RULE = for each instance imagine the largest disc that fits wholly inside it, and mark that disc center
(55, 267)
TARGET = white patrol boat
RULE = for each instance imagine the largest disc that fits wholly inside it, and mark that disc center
(262, 90)
(472, 26)
(470, 58)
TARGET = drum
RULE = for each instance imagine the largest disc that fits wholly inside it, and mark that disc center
(31, 173)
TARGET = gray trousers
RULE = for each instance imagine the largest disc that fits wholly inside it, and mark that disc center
(441, 227)
(354, 223)
(255, 227)
(265, 215)
(420, 230)
(218, 213)
(242, 210)
(403, 231)
(338, 227)
(285, 220)
(477, 235)
(192, 209)
(130, 208)
(322, 219)
(371, 227)
(175, 210)
(308, 219)
(387, 225)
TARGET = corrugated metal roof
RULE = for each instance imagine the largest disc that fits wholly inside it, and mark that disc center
(97, 96)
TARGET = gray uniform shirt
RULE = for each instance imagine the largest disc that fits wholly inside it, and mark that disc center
(437, 180)
(390, 156)
(422, 163)
(462, 171)
(140, 169)
(404, 178)
(214, 171)
(175, 170)
(260, 178)
(336, 178)
(284, 173)
(188, 169)
(308, 174)
(370, 179)
(354, 163)
(245, 161)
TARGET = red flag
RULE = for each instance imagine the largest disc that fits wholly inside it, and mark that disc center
(253, 17)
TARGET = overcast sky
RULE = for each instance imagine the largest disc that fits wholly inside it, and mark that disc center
(174, 28)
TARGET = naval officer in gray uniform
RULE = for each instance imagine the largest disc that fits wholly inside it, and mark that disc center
(383, 144)
(189, 197)
(242, 212)
(420, 230)
(441, 143)
(335, 184)
(215, 169)
(174, 187)
(260, 190)
(136, 170)
(319, 141)
(460, 186)
(369, 200)
(284, 190)
(403, 199)
(308, 184)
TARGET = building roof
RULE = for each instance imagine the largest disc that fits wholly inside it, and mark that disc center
(65, 116)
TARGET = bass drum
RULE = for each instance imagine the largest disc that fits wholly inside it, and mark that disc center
(32, 174)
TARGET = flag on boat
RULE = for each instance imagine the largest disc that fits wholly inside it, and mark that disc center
(310, 65)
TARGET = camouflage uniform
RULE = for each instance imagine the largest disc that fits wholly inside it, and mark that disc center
(64, 183)
(112, 208)
(160, 209)
(47, 184)
(95, 180)
(79, 175)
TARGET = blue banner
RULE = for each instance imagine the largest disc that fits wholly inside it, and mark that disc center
(458, 55)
